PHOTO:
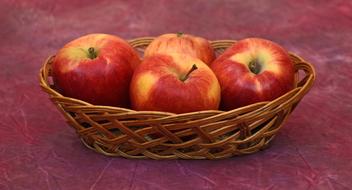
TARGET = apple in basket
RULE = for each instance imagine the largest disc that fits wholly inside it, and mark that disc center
(96, 68)
(175, 83)
(253, 70)
(181, 43)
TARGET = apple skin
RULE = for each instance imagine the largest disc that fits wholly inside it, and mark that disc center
(103, 80)
(183, 44)
(240, 86)
(157, 86)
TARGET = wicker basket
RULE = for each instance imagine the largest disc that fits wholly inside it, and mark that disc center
(115, 131)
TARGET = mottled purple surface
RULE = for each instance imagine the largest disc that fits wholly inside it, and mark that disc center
(38, 150)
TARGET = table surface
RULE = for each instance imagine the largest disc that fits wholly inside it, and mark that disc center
(38, 150)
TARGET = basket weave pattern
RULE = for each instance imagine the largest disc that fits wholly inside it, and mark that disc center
(115, 131)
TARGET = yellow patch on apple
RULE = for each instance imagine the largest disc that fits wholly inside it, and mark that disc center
(264, 57)
(214, 90)
(145, 83)
(75, 53)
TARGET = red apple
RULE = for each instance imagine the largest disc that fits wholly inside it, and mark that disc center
(96, 68)
(181, 43)
(174, 83)
(253, 70)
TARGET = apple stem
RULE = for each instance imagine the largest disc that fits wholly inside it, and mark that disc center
(194, 67)
(254, 66)
(179, 34)
(92, 53)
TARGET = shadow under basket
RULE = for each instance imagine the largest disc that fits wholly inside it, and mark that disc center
(211, 134)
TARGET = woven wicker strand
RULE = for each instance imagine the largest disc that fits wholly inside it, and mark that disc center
(211, 134)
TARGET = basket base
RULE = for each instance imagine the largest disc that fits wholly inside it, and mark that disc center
(248, 149)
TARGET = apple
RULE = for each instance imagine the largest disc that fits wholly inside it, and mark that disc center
(96, 68)
(253, 70)
(175, 83)
(181, 43)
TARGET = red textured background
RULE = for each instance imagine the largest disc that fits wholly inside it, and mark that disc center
(38, 150)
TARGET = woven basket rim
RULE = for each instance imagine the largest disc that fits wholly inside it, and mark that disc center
(302, 90)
